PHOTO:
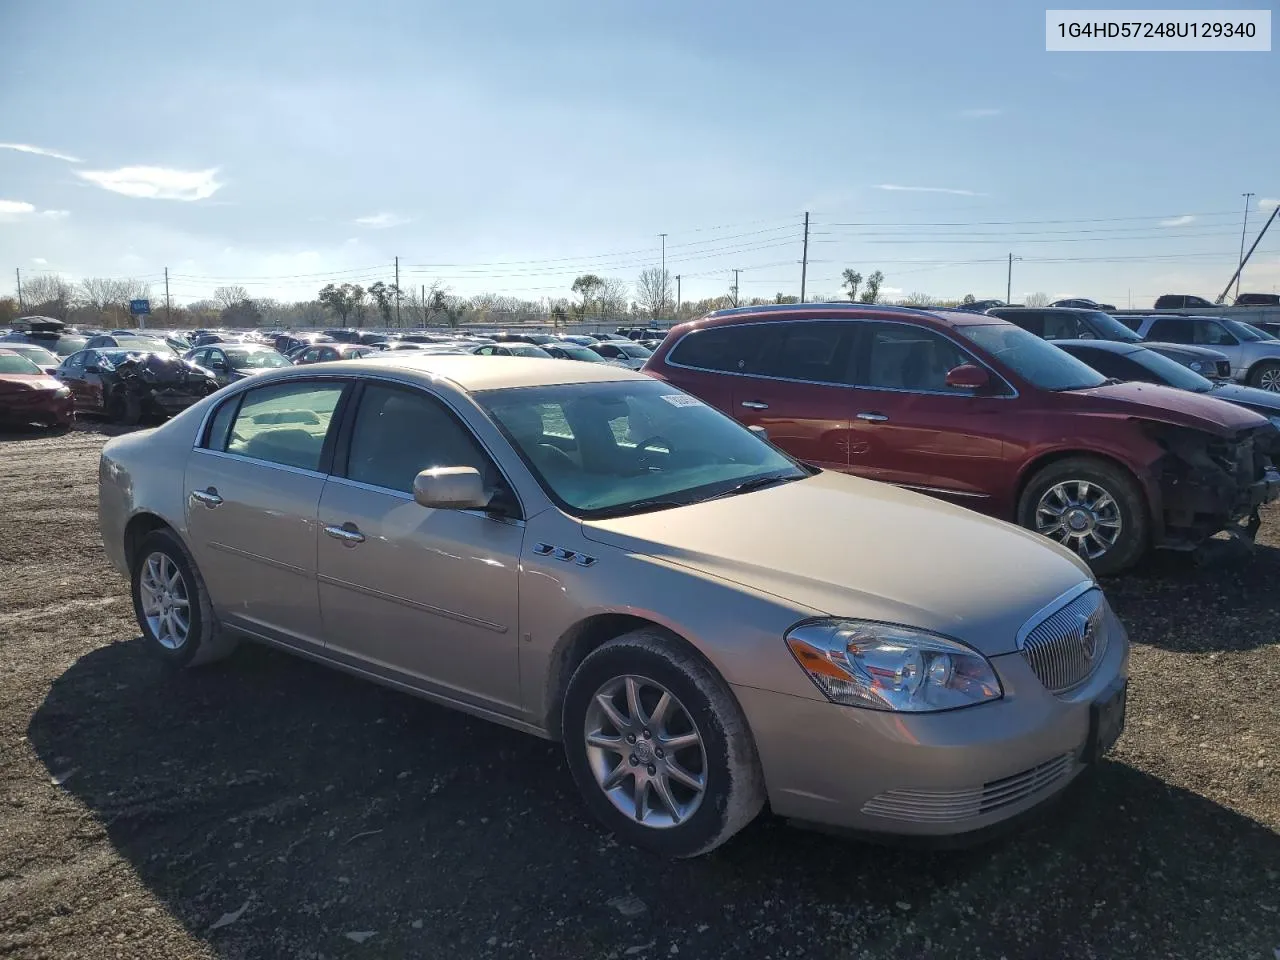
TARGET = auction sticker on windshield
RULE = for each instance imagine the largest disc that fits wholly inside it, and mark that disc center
(681, 400)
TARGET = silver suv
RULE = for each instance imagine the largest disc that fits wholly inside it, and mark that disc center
(1254, 356)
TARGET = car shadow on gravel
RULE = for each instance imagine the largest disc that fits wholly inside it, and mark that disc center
(276, 806)
(1224, 602)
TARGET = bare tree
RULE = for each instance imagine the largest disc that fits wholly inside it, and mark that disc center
(49, 295)
(229, 297)
(653, 290)
(107, 298)
(613, 296)
(918, 300)
(1037, 300)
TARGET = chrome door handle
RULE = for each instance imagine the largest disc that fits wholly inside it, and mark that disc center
(347, 534)
(873, 417)
(755, 405)
(208, 497)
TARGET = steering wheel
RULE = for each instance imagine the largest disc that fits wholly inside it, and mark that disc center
(649, 443)
(554, 457)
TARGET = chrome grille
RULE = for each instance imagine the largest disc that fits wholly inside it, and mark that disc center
(1065, 646)
(950, 806)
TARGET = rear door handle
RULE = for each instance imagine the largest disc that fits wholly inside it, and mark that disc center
(347, 533)
(873, 417)
(208, 497)
(755, 405)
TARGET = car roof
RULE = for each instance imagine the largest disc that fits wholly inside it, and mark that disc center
(834, 311)
(1106, 346)
(470, 372)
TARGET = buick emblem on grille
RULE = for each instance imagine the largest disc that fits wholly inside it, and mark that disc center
(1088, 637)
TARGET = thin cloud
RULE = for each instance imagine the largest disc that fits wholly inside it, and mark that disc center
(156, 183)
(1178, 221)
(957, 193)
(980, 113)
(40, 152)
(40, 261)
(380, 221)
(15, 208)
(1268, 203)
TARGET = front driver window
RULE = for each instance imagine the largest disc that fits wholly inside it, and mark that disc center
(902, 357)
(398, 433)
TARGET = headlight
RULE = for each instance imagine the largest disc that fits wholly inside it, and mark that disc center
(62, 393)
(862, 663)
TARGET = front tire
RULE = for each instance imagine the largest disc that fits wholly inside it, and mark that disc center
(1266, 376)
(659, 747)
(1090, 506)
(172, 605)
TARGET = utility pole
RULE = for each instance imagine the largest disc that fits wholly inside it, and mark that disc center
(21, 306)
(424, 306)
(168, 306)
(679, 300)
(804, 260)
(736, 271)
(397, 291)
(664, 271)
(1243, 227)
(1008, 287)
(1257, 240)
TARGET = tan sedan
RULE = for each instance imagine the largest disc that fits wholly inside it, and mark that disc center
(590, 555)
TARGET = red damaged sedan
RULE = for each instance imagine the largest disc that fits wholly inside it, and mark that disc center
(978, 411)
(29, 395)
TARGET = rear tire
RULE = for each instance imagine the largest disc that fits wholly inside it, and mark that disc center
(1266, 376)
(1087, 523)
(676, 820)
(163, 557)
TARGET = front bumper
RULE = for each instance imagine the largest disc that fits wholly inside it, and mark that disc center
(37, 408)
(928, 775)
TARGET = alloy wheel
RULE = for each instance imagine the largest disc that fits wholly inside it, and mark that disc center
(166, 603)
(645, 751)
(1081, 515)
(1269, 379)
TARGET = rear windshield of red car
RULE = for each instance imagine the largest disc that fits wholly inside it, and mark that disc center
(12, 363)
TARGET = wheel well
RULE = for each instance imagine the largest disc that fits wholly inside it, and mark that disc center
(579, 641)
(136, 530)
(1265, 361)
(1035, 466)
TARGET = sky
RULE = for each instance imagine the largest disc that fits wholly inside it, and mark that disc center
(506, 147)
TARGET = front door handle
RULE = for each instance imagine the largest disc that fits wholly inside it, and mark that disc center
(755, 405)
(208, 497)
(347, 533)
(873, 417)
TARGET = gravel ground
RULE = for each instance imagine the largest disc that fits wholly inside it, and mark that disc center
(267, 807)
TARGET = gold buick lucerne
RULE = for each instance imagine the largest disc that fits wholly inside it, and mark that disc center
(592, 556)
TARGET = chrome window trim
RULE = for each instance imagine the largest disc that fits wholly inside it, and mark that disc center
(222, 455)
(1051, 608)
(667, 361)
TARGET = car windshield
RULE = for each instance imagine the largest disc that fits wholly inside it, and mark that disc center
(255, 359)
(1111, 328)
(1245, 331)
(12, 363)
(1171, 372)
(579, 353)
(634, 350)
(1037, 361)
(626, 446)
(526, 350)
(37, 355)
(145, 343)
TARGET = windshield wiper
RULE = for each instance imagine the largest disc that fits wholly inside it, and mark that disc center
(637, 506)
(758, 483)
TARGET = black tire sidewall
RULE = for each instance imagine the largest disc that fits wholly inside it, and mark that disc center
(1123, 489)
(708, 820)
(163, 542)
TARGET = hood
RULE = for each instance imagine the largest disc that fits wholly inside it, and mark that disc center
(21, 382)
(1185, 349)
(1261, 401)
(844, 546)
(1149, 401)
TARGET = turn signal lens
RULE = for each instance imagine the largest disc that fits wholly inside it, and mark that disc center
(862, 663)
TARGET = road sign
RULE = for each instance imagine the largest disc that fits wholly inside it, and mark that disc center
(139, 308)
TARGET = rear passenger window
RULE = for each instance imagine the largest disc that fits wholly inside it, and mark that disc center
(816, 352)
(1171, 330)
(1062, 326)
(220, 425)
(285, 423)
(727, 349)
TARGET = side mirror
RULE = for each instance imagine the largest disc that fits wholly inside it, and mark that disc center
(759, 431)
(217, 365)
(967, 376)
(450, 488)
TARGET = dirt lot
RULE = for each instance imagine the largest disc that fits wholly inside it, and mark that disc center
(270, 808)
